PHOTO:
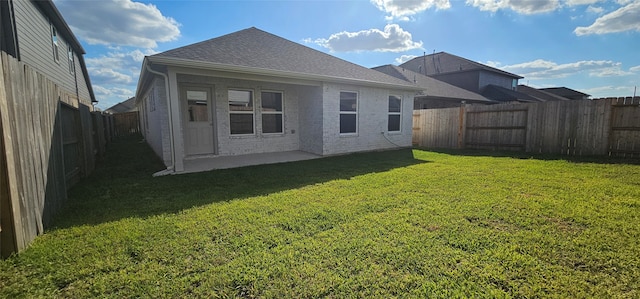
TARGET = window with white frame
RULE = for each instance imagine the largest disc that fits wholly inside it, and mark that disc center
(241, 113)
(395, 114)
(348, 112)
(272, 112)
(54, 42)
(70, 55)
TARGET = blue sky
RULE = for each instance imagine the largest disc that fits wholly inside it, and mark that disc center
(589, 45)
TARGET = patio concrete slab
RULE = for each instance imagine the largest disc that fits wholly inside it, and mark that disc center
(199, 164)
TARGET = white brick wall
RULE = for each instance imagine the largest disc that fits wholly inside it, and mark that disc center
(258, 142)
(372, 121)
(311, 123)
(311, 116)
(157, 132)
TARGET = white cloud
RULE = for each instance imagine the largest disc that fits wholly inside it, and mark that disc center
(403, 9)
(495, 64)
(404, 58)
(626, 18)
(119, 22)
(114, 74)
(131, 59)
(609, 91)
(635, 68)
(391, 39)
(99, 90)
(624, 2)
(544, 69)
(527, 7)
(109, 75)
(595, 9)
(581, 2)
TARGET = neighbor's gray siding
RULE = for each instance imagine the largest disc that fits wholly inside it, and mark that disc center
(487, 78)
(83, 87)
(464, 80)
(36, 49)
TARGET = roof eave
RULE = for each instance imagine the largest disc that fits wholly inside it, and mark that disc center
(180, 62)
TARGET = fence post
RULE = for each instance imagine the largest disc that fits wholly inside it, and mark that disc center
(461, 126)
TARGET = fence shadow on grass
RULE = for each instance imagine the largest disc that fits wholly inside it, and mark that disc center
(122, 185)
(537, 156)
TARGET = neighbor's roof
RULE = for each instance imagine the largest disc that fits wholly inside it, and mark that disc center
(255, 51)
(540, 94)
(501, 94)
(565, 92)
(445, 63)
(125, 106)
(432, 87)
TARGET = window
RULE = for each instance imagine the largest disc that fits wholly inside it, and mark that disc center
(72, 66)
(54, 42)
(348, 112)
(152, 100)
(197, 106)
(272, 112)
(241, 112)
(395, 113)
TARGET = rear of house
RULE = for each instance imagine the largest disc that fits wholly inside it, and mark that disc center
(251, 92)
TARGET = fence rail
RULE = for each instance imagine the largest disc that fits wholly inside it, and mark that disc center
(48, 142)
(599, 127)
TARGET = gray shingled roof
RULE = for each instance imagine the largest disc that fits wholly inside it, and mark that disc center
(501, 94)
(540, 94)
(443, 63)
(256, 49)
(566, 92)
(125, 106)
(432, 87)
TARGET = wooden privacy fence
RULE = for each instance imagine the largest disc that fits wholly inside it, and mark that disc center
(48, 142)
(126, 123)
(599, 127)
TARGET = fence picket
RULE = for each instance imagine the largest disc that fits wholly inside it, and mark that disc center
(597, 127)
(32, 156)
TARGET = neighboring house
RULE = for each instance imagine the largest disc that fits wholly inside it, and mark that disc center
(501, 94)
(435, 93)
(252, 92)
(492, 83)
(567, 93)
(542, 95)
(127, 106)
(35, 33)
(49, 138)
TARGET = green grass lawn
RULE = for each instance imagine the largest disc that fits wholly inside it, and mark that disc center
(389, 224)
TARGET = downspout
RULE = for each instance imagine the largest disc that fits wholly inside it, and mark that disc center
(169, 169)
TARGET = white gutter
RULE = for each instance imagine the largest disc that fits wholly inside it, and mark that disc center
(169, 169)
